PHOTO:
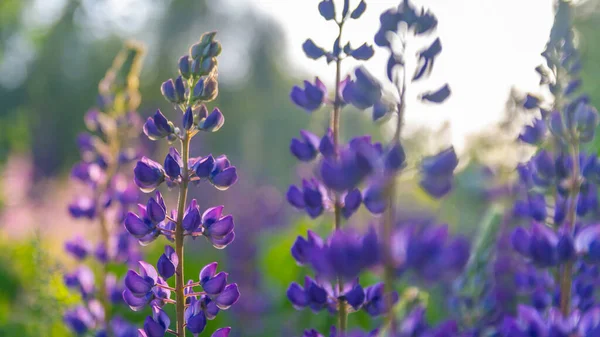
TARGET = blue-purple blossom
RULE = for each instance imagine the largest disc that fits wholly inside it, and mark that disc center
(148, 174)
(158, 126)
(542, 245)
(307, 148)
(429, 252)
(377, 302)
(145, 287)
(426, 59)
(311, 97)
(167, 263)
(218, 171)
(311, 295)
(173, 164)
(146, 224)
(78, 247)
(216, 227)
(364, 91)
(213, 122)
(157, 324)
(312, 50)
(81, 279)
(79, 320)
(437, 172)
(345, 254)
(535, 133)
(437, 96)
(83, 207)
(531, 101)
(310, 198)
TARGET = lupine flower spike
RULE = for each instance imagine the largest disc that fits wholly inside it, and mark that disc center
(189, 93)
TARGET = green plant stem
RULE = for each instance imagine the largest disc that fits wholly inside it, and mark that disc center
(390, 213)
(566, 277)
(113, 145)
(335, 127)
(179, 237)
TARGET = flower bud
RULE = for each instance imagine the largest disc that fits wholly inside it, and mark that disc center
(211, 89)
(184, 67)
(180, 90)
(213, 122)
(214, 49)
(196, 68)
(188, 119)
(208, 65)
(168, 91)
(148, 174)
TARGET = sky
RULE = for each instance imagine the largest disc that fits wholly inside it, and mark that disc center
(488, 47)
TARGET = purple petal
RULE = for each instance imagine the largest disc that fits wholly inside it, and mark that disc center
(221, 228)
(297, 296)
(208, 271)
(223, 332)
(228, 297)
(216, 284)
(223, 242)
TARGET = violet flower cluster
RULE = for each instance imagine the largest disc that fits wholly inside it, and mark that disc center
(196, 85)
(428, 253)
(559, 202)
(107, 156)
(556, 211)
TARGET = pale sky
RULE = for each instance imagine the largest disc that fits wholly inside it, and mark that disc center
(488, 46)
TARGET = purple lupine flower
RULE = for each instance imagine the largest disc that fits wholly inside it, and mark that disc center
(218, 171)
(148, 174)
(307, 148)
(173, 164)
(345, 254)
(83, 207)
(535, 133)
(364, 91)
(313, 295)
(311, 97)
(587, 243)
(79, 320)
(141, 289)
(437, 172)
(167, 263)
(429, 252)
(302, 248)
(542, 245)
(81, 279)
(377, 301)
(212, 122)
(158, 126)
(146, 225)
(78, 247)
(218, 229)
(531, 101)
(310, 198)
(155, 325)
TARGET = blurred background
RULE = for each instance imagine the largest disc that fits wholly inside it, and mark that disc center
(53, 53)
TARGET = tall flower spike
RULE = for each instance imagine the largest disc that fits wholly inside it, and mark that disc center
(105, 169)
(189, 92)
(340, 168)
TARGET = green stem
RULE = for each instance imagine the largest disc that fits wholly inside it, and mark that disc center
(566, 277)
(335, 127)
(343, 316)
(179, 275)
(390, 212)
(114, 146)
